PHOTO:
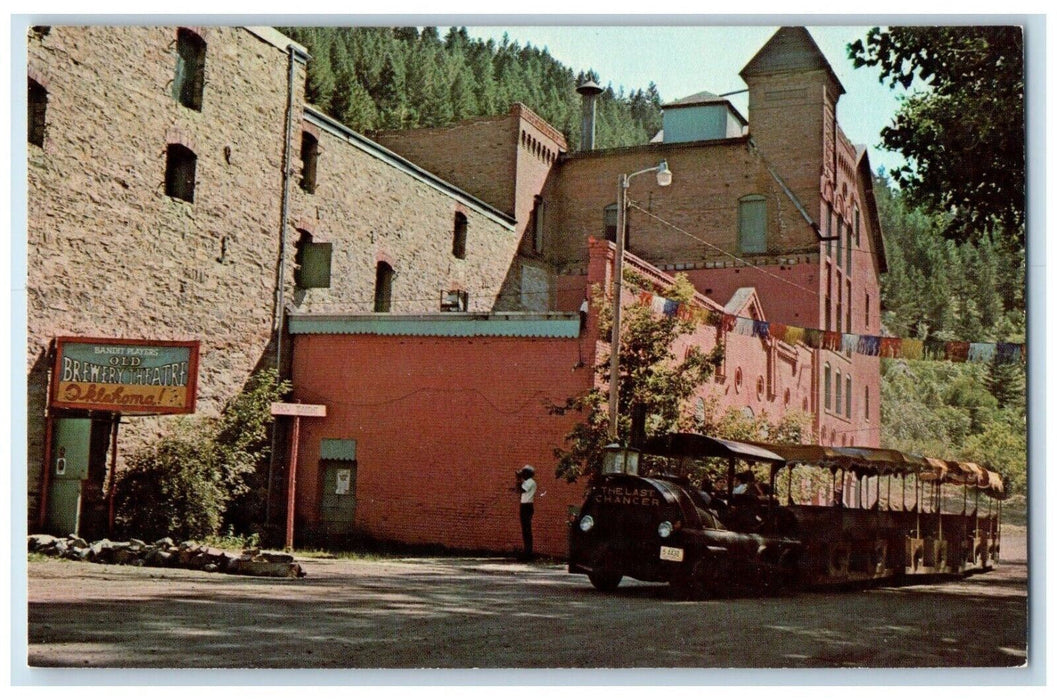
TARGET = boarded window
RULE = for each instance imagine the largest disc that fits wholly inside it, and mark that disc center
(309, 159)
(847, 397)
(312, 263)
(190, 69)
(866, 405)
(383, 288)
(752, 224)
(610, 222)
(38, 107)
(180, 172)
(458, 236)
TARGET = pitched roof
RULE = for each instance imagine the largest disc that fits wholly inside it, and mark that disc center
(791, 49)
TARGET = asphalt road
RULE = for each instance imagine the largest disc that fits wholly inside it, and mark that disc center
(496, 613)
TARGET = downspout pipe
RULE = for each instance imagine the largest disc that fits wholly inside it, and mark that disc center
(295, 55)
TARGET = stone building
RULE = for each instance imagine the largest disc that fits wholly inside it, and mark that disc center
(181, 190)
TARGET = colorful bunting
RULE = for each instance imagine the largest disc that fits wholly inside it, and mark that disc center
(869, 345)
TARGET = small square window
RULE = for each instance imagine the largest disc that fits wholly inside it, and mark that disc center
(455, 300)
(312, 263)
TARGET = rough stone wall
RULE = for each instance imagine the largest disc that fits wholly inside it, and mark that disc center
(109, 254)
(371, 212)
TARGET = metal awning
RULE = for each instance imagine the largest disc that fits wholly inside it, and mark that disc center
(702, 446)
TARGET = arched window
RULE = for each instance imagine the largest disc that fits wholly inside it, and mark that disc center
(383, 287)
(828, 380)
(752, 224)
(458, 236)
(840, 388)
(309, 160)
(38, 107)
(610, 222)
(190, 69)
(180, 162)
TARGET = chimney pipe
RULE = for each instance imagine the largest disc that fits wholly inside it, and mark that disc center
(590, 92)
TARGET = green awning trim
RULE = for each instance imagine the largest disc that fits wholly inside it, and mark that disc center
(331, 448)
(450, 325)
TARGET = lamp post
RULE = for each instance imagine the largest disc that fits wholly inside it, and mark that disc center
(664, 178)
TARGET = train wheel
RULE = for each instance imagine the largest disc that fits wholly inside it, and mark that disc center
(605, 581)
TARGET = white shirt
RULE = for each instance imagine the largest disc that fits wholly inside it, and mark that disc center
(528, 490)
(741, 488)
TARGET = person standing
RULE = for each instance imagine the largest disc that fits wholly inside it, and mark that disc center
(527, 490)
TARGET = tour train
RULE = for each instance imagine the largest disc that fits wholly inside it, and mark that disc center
(825, 516)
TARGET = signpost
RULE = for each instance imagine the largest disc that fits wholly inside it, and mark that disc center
(297, 411)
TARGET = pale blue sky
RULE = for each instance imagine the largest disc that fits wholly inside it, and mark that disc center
(683, 60)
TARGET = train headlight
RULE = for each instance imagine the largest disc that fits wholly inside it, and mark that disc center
(664, 529)
(586, 523)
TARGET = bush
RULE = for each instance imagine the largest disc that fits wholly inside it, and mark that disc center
(208, 474)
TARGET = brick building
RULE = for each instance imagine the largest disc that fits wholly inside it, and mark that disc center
(180, 189)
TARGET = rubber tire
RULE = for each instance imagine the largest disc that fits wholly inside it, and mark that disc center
(605, 581)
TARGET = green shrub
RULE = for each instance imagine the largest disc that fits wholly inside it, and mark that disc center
(208, 474)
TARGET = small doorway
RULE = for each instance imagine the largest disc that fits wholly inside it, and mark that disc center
(337, 507)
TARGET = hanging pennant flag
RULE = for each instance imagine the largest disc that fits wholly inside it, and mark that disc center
(684, 312)
(645, 298)
(1008, 352)
(657, 304)
(743, 326)
(957, 351)
(891, 347)
(760, 329)
(830, 340)
(779, 331)
(849, 342)
(981, 352)
(729, 321)
(912, 348)
(869, 345)
(670, 307)
(813, 338)
(794, 335)
(935, 349)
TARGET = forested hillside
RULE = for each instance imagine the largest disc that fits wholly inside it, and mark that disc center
(972, 291)
(374, 78)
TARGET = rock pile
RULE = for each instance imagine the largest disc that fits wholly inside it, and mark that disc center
(166, 553)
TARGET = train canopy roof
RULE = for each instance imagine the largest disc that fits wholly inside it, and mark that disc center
(702, 446)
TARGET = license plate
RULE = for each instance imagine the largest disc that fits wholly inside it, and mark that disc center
(671, 554)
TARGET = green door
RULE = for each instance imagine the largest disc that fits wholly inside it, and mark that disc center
(338, 504)
(70, 452)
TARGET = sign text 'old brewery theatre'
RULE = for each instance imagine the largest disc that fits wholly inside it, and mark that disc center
(126, 376)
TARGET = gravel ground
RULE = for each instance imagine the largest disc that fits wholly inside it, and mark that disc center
(497, 613)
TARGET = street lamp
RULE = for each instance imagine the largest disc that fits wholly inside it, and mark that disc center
(664, 178)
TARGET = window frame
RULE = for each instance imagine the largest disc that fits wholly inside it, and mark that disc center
(309, 161)
(756, 205)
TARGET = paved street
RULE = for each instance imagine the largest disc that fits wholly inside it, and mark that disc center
(495, 613)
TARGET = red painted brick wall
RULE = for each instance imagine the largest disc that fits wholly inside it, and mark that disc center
(441, 425)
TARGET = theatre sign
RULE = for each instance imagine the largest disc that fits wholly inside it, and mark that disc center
(125, 376)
